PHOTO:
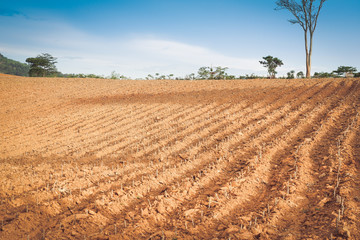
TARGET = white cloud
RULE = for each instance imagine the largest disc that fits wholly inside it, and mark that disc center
(190, 54)
(80, 52)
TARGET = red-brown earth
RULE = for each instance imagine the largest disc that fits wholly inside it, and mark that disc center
(244, 159)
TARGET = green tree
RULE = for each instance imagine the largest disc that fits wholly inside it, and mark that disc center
(204, 73)
(291, 74)
(41, 66)
(220, 72)
(212, 73)
(192, 76)
(271, 64)
(300, 74)
(306, 13)
(344, 70)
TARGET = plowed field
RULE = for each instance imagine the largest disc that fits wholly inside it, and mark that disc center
(246, 159)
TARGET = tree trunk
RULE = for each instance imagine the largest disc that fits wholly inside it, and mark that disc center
(308, 64)
(308, 56)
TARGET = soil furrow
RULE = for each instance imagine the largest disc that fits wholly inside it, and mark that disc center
(282, 187)
(180, 197)
(104, 159)
(207, 190)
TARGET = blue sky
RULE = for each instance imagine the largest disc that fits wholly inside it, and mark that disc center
(140, 37)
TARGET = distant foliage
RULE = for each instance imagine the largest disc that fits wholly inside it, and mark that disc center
(324, 75)
(271, 63)
(300, 74)
(115, 75)
(79, 75)
(42, 66)
(213, 73)
(9, 66)
(252, 76)
(291, 74)
(342, 70)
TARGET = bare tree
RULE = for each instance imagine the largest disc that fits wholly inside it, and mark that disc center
(306, 13)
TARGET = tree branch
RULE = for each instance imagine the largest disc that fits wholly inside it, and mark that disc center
(317, 15)
(295, 9)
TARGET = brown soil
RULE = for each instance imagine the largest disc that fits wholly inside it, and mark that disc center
(109, 159)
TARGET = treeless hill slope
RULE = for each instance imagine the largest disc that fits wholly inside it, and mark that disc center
(110, 159)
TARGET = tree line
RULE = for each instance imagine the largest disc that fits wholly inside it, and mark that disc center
(44, 65)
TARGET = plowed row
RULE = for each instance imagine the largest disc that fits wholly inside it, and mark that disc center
(107, 159)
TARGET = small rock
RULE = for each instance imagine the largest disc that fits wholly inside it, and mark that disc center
(91, 212)
(323, 202)
(322, 175)
(232, 229)
(191, 212)
(80, 216)
(246, 218)
(161, 209)
(245, 236)
(221, 227)
(256, 231)
(145, 212)
(271, 231)
(307, 223)
(291, 204)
